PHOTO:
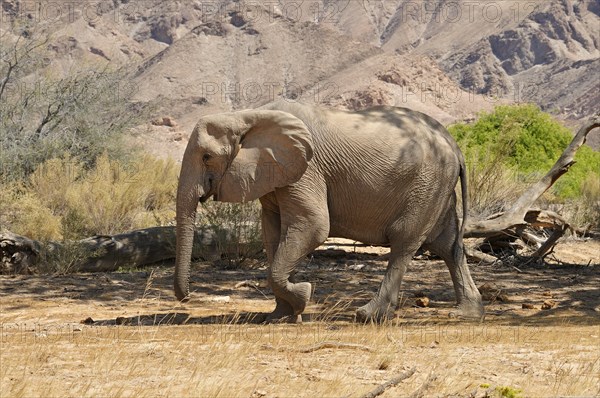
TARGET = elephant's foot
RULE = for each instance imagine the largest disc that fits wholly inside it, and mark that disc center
(376, 312)
(289, 310)
(470, 305)
(295, 295)
(283, 313)
(471, 310)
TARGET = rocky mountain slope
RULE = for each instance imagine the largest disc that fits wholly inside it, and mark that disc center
(545, 52)
(449, 59)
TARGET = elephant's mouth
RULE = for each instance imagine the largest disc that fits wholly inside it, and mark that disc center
(209, 192)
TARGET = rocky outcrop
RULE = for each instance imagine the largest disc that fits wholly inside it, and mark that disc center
(358, 100)
(212, 28)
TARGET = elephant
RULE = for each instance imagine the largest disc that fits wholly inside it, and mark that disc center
(383, 176)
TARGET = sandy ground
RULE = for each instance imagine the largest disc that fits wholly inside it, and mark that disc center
(124, 334)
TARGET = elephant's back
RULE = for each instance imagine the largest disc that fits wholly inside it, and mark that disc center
(382, 140)
(394, 133)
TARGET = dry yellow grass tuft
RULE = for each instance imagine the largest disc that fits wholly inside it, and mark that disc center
(62, 200)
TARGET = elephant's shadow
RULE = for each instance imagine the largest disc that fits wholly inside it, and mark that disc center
(184, 318)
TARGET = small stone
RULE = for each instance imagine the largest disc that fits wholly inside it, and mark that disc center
(548, 304)
(169, 122)
(218, 299)
(528, 306)
(259, 393)
(487, 287)
(503, 297)
(356, 267)
(422, 302)
(489, 292)
(165, 121)
(88, 321)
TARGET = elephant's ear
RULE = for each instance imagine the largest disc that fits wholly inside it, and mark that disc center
(273, 151)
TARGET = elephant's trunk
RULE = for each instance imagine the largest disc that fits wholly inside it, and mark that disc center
(187, 201)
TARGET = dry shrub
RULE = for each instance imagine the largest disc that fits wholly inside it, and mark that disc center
(237, 228)
(584, 211)
(33, 218)
(52, 180)
(104, 200)
(115, 197)
(63, 260)
(492, 185)
(61, 200)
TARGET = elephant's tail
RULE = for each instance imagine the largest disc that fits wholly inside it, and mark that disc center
(465, 196)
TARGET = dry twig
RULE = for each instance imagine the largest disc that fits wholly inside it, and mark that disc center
(481, 256)
(418, 393)
(333, 344)
(396, 380)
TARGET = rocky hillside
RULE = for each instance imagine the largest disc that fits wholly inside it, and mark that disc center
(449, 59)
(545, 52)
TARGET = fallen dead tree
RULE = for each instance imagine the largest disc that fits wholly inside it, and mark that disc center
(101, 253)
(522, 224)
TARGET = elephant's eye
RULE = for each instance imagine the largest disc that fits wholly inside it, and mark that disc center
(206, 157)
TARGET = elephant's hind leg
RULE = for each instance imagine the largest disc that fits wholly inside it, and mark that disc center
(449, 246)
(383, 305)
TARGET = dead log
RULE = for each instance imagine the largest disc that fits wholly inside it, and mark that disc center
(481, 257)
(520, 216)
(549, 243)
(102, 253)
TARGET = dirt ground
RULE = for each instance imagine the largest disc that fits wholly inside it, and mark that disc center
(124, 334)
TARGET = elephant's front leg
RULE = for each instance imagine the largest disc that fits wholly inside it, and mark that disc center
(302, 231)
(271, 228)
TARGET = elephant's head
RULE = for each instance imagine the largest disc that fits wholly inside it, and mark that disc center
(235, 157)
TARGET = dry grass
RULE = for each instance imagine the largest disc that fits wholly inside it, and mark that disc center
(237, 229)
(46, 352)
(243, 360)
(62, 200)
(585, 210)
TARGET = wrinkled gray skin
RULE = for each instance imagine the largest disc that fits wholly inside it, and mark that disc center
(381, 176)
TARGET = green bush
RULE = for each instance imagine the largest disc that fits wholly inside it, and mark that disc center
(509, 392)
(512, 147)
(527, 142)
